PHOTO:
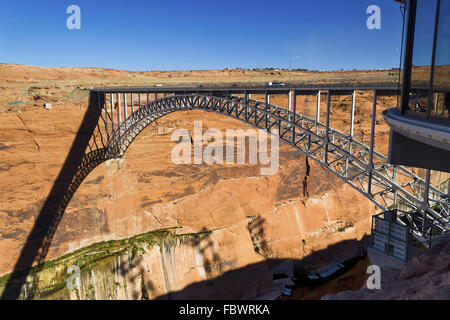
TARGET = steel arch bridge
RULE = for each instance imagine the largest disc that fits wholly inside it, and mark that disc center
(426, 207)
(119, 119)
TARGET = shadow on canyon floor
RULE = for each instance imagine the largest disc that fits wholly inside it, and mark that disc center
(256, 279)
(84, 155)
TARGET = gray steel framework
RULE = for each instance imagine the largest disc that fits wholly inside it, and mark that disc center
(424, 208)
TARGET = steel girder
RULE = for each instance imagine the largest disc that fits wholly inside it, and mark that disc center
(366, 170)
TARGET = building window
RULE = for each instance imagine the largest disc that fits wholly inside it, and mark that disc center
(426, 69)
(422, 56)
(441, 76)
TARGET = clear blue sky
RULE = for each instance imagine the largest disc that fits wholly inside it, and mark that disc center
(199, 34)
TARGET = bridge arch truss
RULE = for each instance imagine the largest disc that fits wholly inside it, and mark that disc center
(125, 112)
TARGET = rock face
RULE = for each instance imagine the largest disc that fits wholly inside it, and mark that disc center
(426, 276)
(248, 217)
(152, 265)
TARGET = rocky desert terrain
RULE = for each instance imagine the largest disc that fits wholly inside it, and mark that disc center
(142, 227)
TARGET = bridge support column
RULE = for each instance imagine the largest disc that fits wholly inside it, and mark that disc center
(372, 141)
(246, 97)
(131, 102)
(328, 126)
(290, 101)
(318, 112)
(118, 109)
(111, 100)
(124, 106)
(294, 116)
(352, 120)
(394, 177)
(352, 115)
(267, 109)
(425, 199)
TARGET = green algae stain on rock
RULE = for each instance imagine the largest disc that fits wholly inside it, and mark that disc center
(103, 268)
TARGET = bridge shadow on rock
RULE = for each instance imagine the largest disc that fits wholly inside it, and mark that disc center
(141, 287)
(84, 155)
(256, 280)
(204, 244)
(255, 226)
